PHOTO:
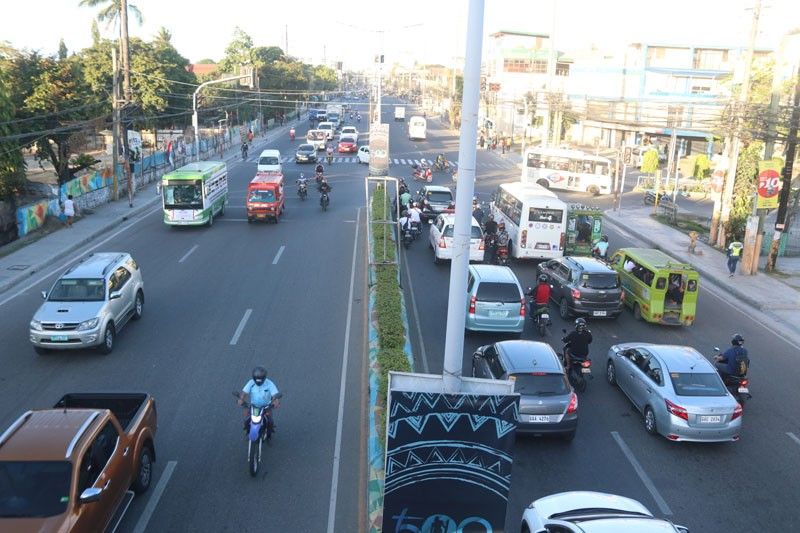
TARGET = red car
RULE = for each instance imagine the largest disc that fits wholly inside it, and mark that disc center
(347, 145)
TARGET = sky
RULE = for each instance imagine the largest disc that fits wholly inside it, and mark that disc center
(430, 31)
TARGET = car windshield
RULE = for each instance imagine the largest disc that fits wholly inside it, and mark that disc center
(439, 197)
(269, 160)
(78, 290)
(305, 148)
(600, 281)
(697, 384)
(475, 234)
(261, 196)
(34, 489)
(347, 140)
(183, 195)
(540, 384)
(325, 126)
(489, 291)
(316, 135)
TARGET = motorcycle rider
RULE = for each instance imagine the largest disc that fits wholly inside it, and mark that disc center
(734, 361)
(440, 162)
(477, 212)
(291, 134)
(600, 249)
(260, 392)
(490, 233)
(404, 222)
(578, 342)
(329, 154)
(415, 214)
(324, 189)
(541, 297)
(301, 182)
(502, 236)
(244, 150)
(405, 199)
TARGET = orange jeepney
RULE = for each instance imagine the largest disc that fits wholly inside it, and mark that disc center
(265, 197)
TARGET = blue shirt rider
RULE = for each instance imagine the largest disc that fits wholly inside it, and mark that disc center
(727, 362)
(261, 393)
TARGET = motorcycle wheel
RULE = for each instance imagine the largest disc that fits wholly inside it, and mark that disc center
(580, 383)
(253, 457)
(542, 328)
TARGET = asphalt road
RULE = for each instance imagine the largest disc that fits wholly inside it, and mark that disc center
(740, 486)
(293, 281)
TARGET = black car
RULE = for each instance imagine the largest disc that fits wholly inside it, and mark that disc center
(306, 153)
(583, 286)
(433, 200)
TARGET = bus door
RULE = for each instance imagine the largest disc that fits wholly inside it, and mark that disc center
(680, 296)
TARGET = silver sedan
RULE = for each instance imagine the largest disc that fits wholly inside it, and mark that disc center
(677, 390)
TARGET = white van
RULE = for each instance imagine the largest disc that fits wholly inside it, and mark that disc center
(328, 127)
(400, 113)
(417, 128)
(270, 161)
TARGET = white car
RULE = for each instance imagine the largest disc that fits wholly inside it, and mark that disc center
(317, 138)
(441, 239)
(586, 511)
(363, 154)
(328, 127)
(270, 161)
(350, 130)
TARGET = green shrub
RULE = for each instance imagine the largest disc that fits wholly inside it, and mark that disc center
(702, 167)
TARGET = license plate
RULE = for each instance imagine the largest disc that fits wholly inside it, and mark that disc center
(744, 390)
(586, 370)
(498, 314)
(542, 246)
(261, 215)
(709, 419)
(58, 338)
(598, 313)
(538, 418)
(544, 316)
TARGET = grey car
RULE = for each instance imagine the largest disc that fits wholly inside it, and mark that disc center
(306, 153)
(583, 286)
(678, 391)
(89, 304)
(548, 405)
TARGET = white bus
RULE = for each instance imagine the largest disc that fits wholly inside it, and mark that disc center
(570, 170)
(536, 220)
(193, 194)
(417, 128)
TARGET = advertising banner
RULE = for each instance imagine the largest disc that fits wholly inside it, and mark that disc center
(769, 183)
(378, 149)
(448, 461)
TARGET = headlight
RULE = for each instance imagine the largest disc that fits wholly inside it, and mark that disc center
(88, 324)
(35, 324)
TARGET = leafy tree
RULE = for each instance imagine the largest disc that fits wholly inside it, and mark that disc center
(206, 61)
(62, 49)
(238, 52)
(95, 32)
(650, 162)
(744, 188)
(12, 164)
(263, 55)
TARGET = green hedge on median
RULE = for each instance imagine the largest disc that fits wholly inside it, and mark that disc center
(388, 308)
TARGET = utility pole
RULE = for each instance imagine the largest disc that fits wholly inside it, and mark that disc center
(115, 125)
(739, 111)
(551, 70)
(126, 89)
(783, 200)
(672, 157)
(286, 38)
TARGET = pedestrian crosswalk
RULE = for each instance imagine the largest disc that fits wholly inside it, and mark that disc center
(402, 161)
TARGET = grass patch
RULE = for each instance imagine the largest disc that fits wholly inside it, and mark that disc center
(682, 223)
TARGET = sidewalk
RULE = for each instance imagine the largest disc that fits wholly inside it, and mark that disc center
(36, 256)
(777, 295)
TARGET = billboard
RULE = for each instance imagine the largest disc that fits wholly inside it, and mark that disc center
(378, 149)
(769, 183)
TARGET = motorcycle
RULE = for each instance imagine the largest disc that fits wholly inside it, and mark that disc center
(579, 368)
(259, 429)
(324, 201)
(490, 248)
(541, 319)
(302, 191)
(738, 386)
(663, 198)
(329, 158)
(291, 134)
(244, 151)
(441, 165)
(501, 255)
(408, 237)
(422, 173)
(416, 230)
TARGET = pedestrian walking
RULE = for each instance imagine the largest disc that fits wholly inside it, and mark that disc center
(734, 254)
(481, 141)
(503, 145)
(69, 210)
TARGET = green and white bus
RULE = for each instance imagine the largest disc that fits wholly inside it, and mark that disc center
(193, 194)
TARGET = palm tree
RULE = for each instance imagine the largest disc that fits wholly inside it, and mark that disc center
(111, 12)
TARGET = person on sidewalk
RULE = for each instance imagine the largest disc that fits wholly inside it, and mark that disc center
(70, 210)
(734, 254)
(481, 142)
(503, 144)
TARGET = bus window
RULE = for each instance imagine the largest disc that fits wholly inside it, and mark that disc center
(584, 233)
(661, 284)
(692, 285)
(552, 216)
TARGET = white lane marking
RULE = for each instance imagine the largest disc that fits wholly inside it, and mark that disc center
(793, 437)
(152, 503)
(642, 474)
(278, 255)
(240, 327)
(423, 353)
(76, 258)
(338, 447)
(187, 254)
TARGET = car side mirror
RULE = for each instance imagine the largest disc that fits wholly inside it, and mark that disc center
(92, 494)
(44, 295)
(114, 295)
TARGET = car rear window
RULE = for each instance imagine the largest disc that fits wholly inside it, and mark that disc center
(316, 135)
(34, 489)
(269, 160)
(600, 281)
(697, 384)
(305, 148)
(489, 291)
(475, 234)
(439, 197)
(540, 384)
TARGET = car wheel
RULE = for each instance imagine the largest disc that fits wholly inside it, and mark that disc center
(593, 190)
(40, 351)
(138, 306)
(222, 209)
(563, 309)
(637, 312)
(211, 218)
(568, 437)
(543, 183)
(108, 340)
(650, 421)
(145, 473)
(611, 373)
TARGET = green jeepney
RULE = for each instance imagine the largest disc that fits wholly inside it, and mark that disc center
(584, 228)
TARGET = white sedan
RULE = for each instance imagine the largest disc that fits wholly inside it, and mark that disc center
(585, 511)
(363, 154)
(350, 130)
(441, 239)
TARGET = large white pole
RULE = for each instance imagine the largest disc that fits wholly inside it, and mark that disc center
(457, 299)
(195, 125)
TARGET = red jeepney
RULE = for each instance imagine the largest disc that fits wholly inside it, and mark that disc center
(265, 197)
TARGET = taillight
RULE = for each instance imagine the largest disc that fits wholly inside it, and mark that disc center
(573, 403)
(481, 246)
(677, 410)
(561, 241)
(745, 382)
(621, 296)
(472, 301)
(523, 238)
(576, 294)
(522, 307)
(442, 244)
(737, 412)
(586, 364)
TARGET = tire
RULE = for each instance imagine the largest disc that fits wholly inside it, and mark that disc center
(41, 351)
(542, 328)
(543, 183)
(109, 335)
(144, 474)
(650, 421)
(138, 306)
(637, 312)
(611, 374)
(211, 218)
(563, 309)
(222, 209)
(252, 457)
(580, 384)
(593, 190)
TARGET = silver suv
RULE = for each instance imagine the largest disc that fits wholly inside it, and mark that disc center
(89, 304)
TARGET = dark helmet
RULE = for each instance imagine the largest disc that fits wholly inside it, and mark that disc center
(580, 324)
(259, 375)
(604, 238)
(405, 213)
(542, 278)
(501, 225)
(737, 340)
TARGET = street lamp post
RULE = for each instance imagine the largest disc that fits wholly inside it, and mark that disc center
(195, 121)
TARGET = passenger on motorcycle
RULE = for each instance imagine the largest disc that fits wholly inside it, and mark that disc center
(259, 392)
(405, 199)
(404, 222)
(320, 169)
(477, 212)
(541, 296)
(734, 361)
(502, 235)
(324, 186)
(578, 342)
(415, 214)
(600, 249)
(490, 228)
